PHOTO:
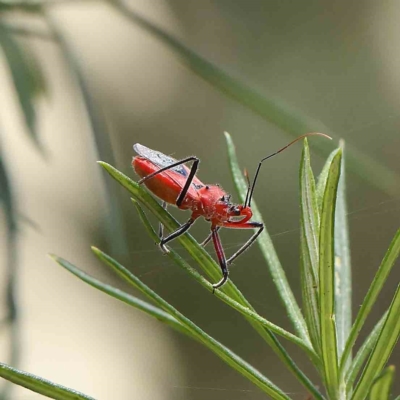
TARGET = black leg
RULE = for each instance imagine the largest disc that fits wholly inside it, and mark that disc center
(164, 205)
(247, 225)
(182, 229)
(221, 258)
(189, 180)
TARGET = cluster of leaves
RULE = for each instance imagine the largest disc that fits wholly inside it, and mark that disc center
(324, 332)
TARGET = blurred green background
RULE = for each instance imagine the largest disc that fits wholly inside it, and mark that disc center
(85, 80)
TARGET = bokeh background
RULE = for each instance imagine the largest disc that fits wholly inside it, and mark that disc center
(85, 80)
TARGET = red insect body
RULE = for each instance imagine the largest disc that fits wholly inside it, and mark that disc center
(208, 201)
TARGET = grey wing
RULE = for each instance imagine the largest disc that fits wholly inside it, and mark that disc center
(159, 159)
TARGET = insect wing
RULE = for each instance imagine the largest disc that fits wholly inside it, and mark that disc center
(160, 159)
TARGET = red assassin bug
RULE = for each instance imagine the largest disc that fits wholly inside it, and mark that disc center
(176, 184)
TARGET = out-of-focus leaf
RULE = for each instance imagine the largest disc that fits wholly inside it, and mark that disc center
(100, 135)
(309, 242)
(27, 77)
(327, 278)
(8, 202)
(342, 265)
(376, 286)
(382, 350)
(383, 385)
(40, 385)
(268, 107)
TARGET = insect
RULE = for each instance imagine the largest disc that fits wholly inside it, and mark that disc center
(174, 183)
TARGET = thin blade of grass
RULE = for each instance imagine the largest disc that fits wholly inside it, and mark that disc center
(211, 268)
(309, 245)
(327, 278)
(223, 352)
(40, 385)
(343, 318)
(270, 108)
(362, 354)
(174, 256)
(120, 295)
(382, 350)
(376, 286)
(268, 249)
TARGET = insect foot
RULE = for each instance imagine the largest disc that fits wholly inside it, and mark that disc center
(163, 249)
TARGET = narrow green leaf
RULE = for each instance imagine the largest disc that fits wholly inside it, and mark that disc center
(223, 352)
(327, 277)
(173, 255)
(40, 385)
(309, 209)
(373, 292)
(269, 107)
(343, 317)
(363, 353)
(381, 389)
(27, 79)
(211, 268)
(268, 250)
(382, 350)
(309, 247)
(322, 178)
(149, 309)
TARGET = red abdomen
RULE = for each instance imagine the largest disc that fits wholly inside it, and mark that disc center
(166, 185)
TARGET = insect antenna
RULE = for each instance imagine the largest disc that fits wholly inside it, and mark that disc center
(250, 189)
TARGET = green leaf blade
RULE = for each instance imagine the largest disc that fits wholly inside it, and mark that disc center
(132, 301)
(363, 353)
(40, 385)
(343, 317)
(384, 346)
(309, 245)
(383, 385)
(327, 278)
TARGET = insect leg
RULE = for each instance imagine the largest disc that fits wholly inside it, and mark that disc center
(246, 225)
(208, 238)
(164, 205)
(221, 258)
(182, 229)
(188, 182)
